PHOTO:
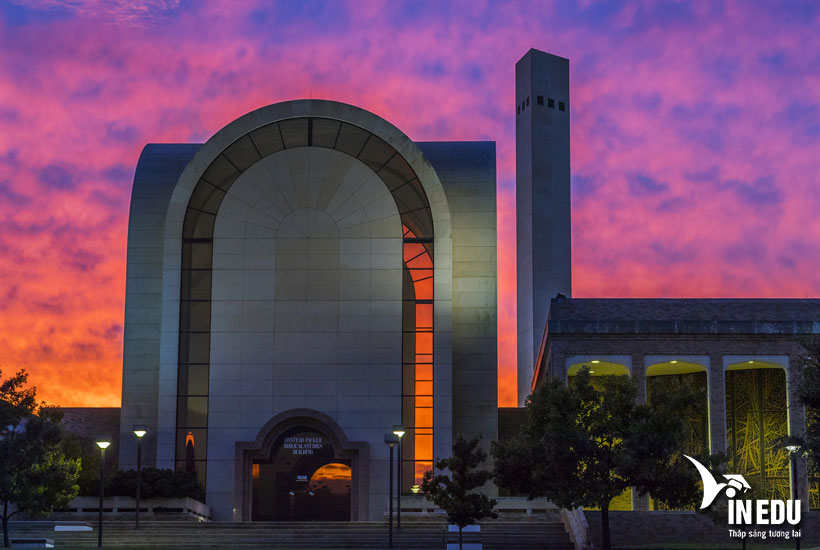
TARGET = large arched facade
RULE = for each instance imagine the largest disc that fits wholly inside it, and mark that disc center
(309, 256)
(307, 235)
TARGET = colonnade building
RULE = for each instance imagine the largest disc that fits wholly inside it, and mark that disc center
(745, 355)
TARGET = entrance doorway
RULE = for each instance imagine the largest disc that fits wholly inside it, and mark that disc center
(303, 480)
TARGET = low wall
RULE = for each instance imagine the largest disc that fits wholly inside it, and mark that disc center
(418, 506)
(150, 508)
(640, 529)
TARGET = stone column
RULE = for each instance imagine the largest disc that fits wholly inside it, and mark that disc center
(717, 404)
(639, 377)
(797, 424)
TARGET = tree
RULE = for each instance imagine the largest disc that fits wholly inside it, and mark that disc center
(454, 493)
(810, 397)
(156, 483)
(87, 452)
(35, 475)
(583, 446)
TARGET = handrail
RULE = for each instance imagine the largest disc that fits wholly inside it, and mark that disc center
(575, 524)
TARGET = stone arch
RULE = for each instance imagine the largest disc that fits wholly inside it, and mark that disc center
(263, 446)
(214, 155)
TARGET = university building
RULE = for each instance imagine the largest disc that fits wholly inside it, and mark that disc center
(311, 277)
(296, 286)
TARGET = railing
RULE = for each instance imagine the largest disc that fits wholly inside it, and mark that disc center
(575, 524)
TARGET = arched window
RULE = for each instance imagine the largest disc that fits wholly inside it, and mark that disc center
(197, 265)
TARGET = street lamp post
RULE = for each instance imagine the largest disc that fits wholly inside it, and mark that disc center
(399, 431)
(794, 448)
(103, 445)
(391, 440)
(139, 431)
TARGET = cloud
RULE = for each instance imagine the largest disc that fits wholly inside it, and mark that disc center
(57, 176)
(694, 139)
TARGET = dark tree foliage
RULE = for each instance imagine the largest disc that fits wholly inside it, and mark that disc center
(583, 446)
(810, 397)
(156, 483)
(455, 493)
(35, 475)
(88, 453)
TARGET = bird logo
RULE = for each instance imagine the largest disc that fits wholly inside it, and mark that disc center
(735, 483)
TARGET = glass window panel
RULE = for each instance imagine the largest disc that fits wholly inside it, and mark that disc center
(192, 412)
(206, 197)
(424, 289)
(424, 372)
(408, 347)
(408, 293)
(424, 387)
(325, 132)
(424, 316)
(242, 153)
(408, 311)
(774, 389)
(196, 255)
(775, 429)
(198, 224)
(411, 251)
(268, 139)
(421, 261)
(294, 132)
(422, 466)
(420, 274)
(221, 173)
(193, 379)
(396, 172)
(424, 417)
(195, 316)
(351, 139)
(407, 464)
(424, 401)
(196, 284)
(408, 445)
(424, 446)
(408, 417)
(191, 444)
(424, 342)
(408, 378)
(194, 347)
(419, 222)
(376, 152)
(410, 197)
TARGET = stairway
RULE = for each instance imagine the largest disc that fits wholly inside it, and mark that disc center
(187, 535)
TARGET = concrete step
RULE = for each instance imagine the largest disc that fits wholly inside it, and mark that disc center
(185, 534)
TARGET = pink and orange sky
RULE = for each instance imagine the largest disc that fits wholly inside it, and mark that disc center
(695, 140)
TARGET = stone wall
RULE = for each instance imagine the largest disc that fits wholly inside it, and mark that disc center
(639, 529)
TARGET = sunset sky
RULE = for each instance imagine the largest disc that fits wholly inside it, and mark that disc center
(695, 140)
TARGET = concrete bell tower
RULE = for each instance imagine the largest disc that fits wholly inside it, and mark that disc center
(542, 199)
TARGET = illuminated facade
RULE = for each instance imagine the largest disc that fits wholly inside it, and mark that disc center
(299, 284)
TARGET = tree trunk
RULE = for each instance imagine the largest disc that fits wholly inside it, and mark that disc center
(459, 537)
(605, 542)
(5, 523)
